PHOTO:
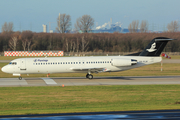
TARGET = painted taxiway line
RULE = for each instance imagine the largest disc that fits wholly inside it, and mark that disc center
(49, 81)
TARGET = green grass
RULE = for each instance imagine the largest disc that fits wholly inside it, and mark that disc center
(39, 100)
(57, 99)
(174, 56)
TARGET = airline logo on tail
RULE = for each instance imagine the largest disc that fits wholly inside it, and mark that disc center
(152, 49)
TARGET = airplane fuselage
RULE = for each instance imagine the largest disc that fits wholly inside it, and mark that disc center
(76, 64)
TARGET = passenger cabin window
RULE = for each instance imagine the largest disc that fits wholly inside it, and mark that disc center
(53, 63)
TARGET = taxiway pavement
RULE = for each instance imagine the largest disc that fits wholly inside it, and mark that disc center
(80, 81)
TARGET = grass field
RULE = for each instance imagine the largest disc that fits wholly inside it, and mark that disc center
(57, 99)
(39, 100)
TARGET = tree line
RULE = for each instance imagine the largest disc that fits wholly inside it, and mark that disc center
(85, 23)
(143, 27)
(85, 42)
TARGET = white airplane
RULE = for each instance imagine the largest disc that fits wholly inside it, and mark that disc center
(89, 65)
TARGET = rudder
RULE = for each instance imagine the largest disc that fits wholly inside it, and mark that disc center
(155, 47)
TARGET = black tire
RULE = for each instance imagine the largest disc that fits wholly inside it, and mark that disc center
(90, 76)
(87, 76)
(20, 78)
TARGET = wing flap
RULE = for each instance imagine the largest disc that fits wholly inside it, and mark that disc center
(91, 69)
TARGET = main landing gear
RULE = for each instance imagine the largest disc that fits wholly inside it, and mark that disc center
(89, 76)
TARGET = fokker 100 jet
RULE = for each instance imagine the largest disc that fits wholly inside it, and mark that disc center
(89, 65)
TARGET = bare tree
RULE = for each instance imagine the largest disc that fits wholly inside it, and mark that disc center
(7, 27)
(144, 26)
(24, 43)
(72, 45)
(133, 27)
(28, 44)
(13, 43)
(26, 38)
(130, 28)
(77, 43)
(67, 45)
(14, 40)
(63, 23)
(173, 26)
(84, 44)
(84, 23)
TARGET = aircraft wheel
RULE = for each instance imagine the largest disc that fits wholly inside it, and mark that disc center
(87, 76)
(20, 78)
(90, 76)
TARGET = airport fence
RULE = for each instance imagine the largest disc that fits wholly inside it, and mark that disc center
(107, 53)
(33, 53)
(102, 53)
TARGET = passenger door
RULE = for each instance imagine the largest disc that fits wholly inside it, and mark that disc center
(23, 64)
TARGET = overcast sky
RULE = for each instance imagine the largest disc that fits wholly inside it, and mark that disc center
(31, 14)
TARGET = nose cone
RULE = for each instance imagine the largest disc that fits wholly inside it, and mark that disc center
(4, 69)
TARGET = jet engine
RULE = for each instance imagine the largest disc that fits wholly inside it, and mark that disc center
(123, 62)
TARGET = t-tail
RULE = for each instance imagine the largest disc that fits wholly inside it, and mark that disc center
(155, 47)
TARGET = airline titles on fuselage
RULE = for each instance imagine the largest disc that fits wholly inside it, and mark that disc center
(39, 60)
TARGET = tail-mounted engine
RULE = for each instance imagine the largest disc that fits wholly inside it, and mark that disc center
(123, 62)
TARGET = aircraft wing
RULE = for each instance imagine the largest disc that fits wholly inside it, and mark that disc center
(91, 69)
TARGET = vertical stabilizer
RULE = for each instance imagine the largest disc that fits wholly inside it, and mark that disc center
(155, 47)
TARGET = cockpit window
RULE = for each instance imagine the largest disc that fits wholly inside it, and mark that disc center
(13, 63)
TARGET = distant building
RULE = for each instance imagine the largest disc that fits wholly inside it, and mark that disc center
(44, 28)
(51, 31)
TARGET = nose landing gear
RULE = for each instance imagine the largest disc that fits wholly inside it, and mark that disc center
(20, 78)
